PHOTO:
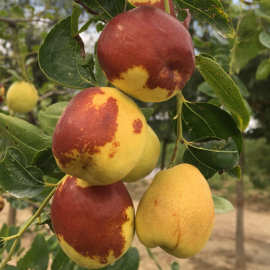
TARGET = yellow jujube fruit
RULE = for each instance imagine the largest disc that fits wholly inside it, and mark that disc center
(148, 159)
(22, 97)
(176, 212)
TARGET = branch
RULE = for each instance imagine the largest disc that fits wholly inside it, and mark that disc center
(86, 7)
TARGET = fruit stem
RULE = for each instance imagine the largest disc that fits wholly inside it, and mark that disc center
(11, 251)
(24, 228)
(180, 138)
(167, 6)
(152, 256)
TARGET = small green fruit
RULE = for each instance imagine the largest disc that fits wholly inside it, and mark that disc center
(22, 97)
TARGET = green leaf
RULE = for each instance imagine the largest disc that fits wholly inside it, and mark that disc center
(225, 88)
(61, 57)
(17, 179)
(147, 112)
(130, 261)
(61, 261)
(235, 172)
(205, 88)
(100, 76)
(87, 24)
(206, 170)
(263, 70)
(175, 266)
(7, 231)
(212, 156)
(211, 11)
(45, 161)
(204, 121)
(265, 39)
(219, 155)
(263, 10)
(26, 137)
(48, 118)
(37, 257)
(222, 205)
(108, 9)
(76, 12)
(242, 87)
(247, 44)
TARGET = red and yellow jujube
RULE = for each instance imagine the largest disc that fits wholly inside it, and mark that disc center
(94, 224)
(146, 53)
(100, 136)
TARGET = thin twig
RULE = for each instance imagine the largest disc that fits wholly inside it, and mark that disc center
(86, 7)
(152, 256)
(24, 228)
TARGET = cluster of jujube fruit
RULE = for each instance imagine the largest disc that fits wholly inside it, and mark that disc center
(102, 139)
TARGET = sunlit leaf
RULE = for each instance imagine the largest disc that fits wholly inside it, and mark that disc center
(225, 88)
(247, 44)
(265, 39)
(26, 137)
(211, 11)
(263, 70)
(222, 205)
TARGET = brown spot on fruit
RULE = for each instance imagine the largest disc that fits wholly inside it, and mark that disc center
(115, 145)
(153, 40)
(78, 129)
(90, 218)
(137, 125)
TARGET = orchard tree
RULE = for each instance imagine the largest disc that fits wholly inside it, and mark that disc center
(101, 124)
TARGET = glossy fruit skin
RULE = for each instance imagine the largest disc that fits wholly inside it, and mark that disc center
(100, 136)
(176, 212)
(155, 3)
(146, 53)
(148, 159)
(94, 224)
(2, 203)
(22, 97)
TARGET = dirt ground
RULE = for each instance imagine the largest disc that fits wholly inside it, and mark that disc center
(218, 254)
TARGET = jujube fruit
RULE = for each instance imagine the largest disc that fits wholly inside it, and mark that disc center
(100, 136)
(148, 159)
(94, 224)
(176, 212)
(22, 97)
(146, 53)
